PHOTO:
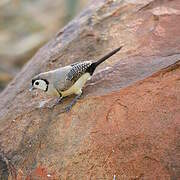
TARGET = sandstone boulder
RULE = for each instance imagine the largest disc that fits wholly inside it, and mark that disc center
(126, 125)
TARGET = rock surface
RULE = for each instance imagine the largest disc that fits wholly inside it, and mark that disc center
(126, 125)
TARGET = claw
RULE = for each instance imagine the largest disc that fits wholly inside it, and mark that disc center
(68, 108)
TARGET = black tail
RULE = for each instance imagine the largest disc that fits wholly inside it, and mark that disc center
(95, 64)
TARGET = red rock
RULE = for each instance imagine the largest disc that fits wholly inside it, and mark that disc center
(126, 125)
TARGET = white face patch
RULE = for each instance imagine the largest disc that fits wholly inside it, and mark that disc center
(40, 84)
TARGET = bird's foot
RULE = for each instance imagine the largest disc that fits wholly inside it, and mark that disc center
(58, 101)
(69, 107)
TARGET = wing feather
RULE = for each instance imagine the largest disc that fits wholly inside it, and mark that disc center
(67, 76)
(78, 70)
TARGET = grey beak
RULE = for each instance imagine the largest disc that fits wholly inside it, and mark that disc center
(31, 88)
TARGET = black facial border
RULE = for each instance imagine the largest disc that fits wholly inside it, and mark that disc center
(47, 82)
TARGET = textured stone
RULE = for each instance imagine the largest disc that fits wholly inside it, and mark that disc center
(126, 125)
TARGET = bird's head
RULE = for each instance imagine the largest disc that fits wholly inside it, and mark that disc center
(39, 83)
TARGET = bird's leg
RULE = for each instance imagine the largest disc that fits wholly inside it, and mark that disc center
(58, 100)
(68, 108)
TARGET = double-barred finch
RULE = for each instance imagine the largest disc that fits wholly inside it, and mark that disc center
(68, 80)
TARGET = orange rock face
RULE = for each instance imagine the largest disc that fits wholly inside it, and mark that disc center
(126, 125)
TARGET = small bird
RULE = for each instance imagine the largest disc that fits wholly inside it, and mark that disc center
(67, 80)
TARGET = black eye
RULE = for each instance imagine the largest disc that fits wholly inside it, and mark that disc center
(37, 83)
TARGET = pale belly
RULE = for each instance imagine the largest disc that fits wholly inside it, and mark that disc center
(77, 86)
